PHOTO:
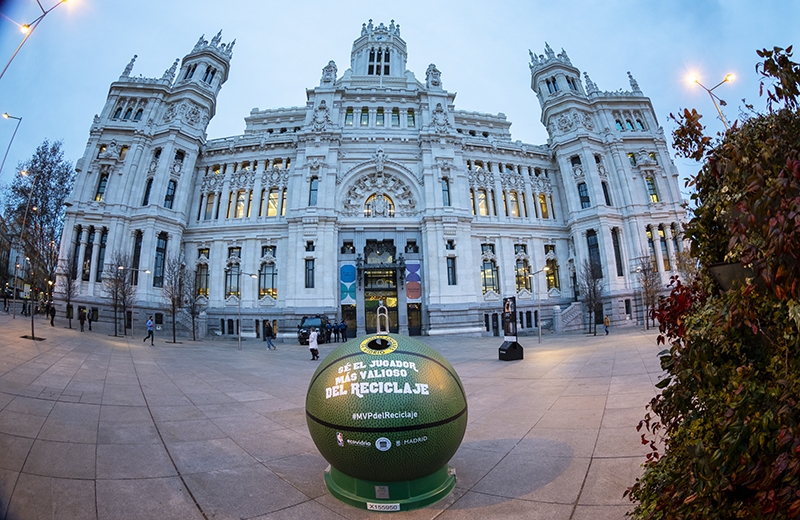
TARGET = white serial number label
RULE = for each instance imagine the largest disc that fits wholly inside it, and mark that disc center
(382, 507)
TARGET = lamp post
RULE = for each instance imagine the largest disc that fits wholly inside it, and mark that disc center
(22, 234)
(133, 300)
(28, 29)
(239, 309)
(714, 97)
(538, 299)
(8, 149)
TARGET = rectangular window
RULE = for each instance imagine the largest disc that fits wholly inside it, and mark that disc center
(445, 192)
(583, 193)
(348, 117)
(364, 116)
(283, 203)
(209, 206)
(147, 188)
(543, 204)
(267, 281)
(664, 252)
(312, 191)
(169, 197)
(310, 273)
(514, 203)
(521, 274)
(487, 248)
(137, 256)
(651, 246)
(395, 117)
(410, 123)
(520, 249)
(101, 187)
(489, 277)
(101, 257)
(379, 117)
(651, 189)
(201, 282)
(451, 271)
(240, 201)
(232, 273)
(617, 250)
(483, 205)
(632, 159)
(606, 195)
(272, 204)
(161, 257)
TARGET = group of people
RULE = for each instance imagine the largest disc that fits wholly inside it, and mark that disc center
(331, 329)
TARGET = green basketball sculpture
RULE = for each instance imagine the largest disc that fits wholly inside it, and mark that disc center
(387, 412)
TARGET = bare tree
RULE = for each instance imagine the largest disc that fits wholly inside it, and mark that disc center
(590, 284)
(192, 302)
(649, 283)
(67, 283)
(687, 265)
(173, 291)
(118, 286)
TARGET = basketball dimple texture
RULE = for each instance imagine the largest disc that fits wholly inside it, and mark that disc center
(386, 408)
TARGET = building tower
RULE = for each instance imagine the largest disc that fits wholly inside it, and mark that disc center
(134, 182)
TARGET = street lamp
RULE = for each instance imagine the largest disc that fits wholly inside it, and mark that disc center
(19, 120)
(133, 300)
(538, 299)
(714, 97)
(28, 29)
(239, 310)
(22, 234)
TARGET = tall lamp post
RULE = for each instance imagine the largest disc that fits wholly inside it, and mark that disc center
(534, 277)
(133, 300)
(239, 310)
(8, 149)
(714, 97)
(22, 235)
(28, 29)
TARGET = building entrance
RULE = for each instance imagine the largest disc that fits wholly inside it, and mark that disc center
(380, 286)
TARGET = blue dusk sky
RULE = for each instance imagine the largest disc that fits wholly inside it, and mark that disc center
(60, 77)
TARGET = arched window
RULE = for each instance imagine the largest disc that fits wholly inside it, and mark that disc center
(117, 113)
(379, 205)
(379, 117)
(169, 197)
(619, 124)
(138, 116)
(348, 117)
(313, 187)
(208, 74)
(364, 116)
(102, 183)
(410, 121)
(395, 117)
(583, 193)
(190, 71)
(628, 124)
(147, 188)
(639, 124)
(127, 114)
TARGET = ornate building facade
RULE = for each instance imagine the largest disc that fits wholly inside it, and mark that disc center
(377, 189)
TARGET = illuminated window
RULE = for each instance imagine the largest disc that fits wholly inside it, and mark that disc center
(364, 116)
(209, 212)
(483, 204)
(543, 204)
(513, 202)
(267, 281)
(410, 123)
(348, 117)
(379, 117)
(521, 272)
(272, 203)
(101, 187)
(652, 194)
(238, 211)
(395, 117)
(489, 277)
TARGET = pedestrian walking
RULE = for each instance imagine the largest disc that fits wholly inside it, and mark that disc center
(269, 335)
(82, 317)
(5, 302)
(606, 323)
(89, 319)
(343, 330)
(52, 313)
(149, 331)
(312, 344)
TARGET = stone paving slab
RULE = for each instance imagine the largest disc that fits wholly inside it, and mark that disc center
(102, 427)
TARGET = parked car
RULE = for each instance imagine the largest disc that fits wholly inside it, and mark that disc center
(319, 322)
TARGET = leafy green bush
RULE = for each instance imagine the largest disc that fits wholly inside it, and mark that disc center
(725, 431)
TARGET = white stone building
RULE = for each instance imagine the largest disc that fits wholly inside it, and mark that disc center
(376, 189)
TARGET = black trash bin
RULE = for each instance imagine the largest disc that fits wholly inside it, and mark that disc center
(510, 351)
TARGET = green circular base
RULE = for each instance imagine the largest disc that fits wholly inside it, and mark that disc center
(390, 496)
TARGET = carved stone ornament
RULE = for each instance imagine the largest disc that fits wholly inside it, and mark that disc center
(577, 172)
(328, 74)
(380, 183)
(380, 160)
(212, 183)
(440, 122)
(512, 180)
(275, 178)
(433, 77)
(243, 179)
(188, 112)
(481, 178)
(321, 119)
(564, 123)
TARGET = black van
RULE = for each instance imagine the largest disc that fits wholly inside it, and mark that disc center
(319, 322)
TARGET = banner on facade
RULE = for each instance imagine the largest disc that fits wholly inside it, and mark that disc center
(413, 283)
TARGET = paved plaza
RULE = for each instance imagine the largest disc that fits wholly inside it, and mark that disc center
(97, 426)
